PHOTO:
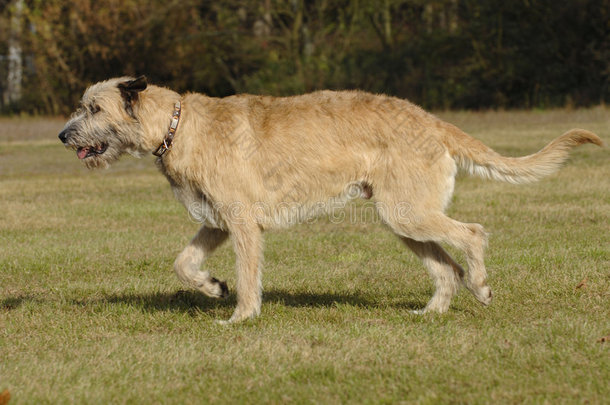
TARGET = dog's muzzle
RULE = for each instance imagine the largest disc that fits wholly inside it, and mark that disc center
(63, 136)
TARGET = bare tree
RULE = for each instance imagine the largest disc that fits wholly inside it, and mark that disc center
(12, 95)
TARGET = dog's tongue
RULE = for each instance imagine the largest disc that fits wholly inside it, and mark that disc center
(82, 153)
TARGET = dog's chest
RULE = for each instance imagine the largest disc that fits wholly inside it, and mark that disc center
(200, 208)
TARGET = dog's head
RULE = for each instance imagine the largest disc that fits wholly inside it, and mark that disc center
(105, 125)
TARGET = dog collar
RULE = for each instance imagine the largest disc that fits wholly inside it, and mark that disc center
(167, 142)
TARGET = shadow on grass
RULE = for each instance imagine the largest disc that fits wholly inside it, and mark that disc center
(185, 301)
(12, 303)
(188, 300)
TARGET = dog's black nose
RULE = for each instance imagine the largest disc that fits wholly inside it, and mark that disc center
(63, 136)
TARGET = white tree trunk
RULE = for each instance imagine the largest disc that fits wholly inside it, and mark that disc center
(12, 94)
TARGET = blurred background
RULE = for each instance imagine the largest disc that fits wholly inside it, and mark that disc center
(441, 54)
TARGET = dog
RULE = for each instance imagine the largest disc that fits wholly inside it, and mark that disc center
(243, 164)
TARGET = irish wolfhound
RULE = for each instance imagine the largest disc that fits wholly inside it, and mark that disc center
(245, 163)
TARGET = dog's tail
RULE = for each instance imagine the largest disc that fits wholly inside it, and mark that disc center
(478, 159)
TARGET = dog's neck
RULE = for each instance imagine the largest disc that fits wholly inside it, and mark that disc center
(155, 114)
(173, 126)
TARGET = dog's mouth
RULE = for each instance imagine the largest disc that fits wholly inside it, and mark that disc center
(90, 151)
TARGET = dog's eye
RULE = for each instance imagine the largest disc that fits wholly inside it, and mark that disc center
(94, 108)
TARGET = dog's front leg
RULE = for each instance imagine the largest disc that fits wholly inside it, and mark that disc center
(247, 242)
(188, 262)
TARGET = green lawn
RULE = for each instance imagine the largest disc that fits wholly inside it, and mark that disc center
(90, 310)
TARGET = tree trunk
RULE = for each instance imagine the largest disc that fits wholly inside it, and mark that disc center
(12, 94)
(387, 23)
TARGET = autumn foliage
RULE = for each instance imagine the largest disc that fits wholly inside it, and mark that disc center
(440, 53)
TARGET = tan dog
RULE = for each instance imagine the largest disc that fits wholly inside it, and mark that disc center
(245, 163)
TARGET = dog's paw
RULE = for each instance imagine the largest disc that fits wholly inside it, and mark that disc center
(240, 315)
(223, 322)
(483, 295)
(222, 290)
(232, 320)
(481, 292)
(214, 288)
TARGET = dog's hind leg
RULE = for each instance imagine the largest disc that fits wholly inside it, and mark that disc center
(188, 263)
(436, 227)
(446, 273)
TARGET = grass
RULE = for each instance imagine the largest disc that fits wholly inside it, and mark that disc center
(90, 311)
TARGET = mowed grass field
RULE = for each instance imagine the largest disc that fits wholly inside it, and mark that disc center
(91, 312)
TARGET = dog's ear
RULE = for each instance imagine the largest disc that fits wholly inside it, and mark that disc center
(135, 85)
(130, 90)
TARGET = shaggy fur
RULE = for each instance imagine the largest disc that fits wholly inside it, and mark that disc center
(245, 163)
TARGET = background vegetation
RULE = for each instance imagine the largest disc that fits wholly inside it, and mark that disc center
(439, 53)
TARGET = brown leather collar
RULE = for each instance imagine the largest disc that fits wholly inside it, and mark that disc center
(167, 142)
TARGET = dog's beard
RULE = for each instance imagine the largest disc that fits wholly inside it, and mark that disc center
(99, 158)
(96, 147)
(90, 151)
